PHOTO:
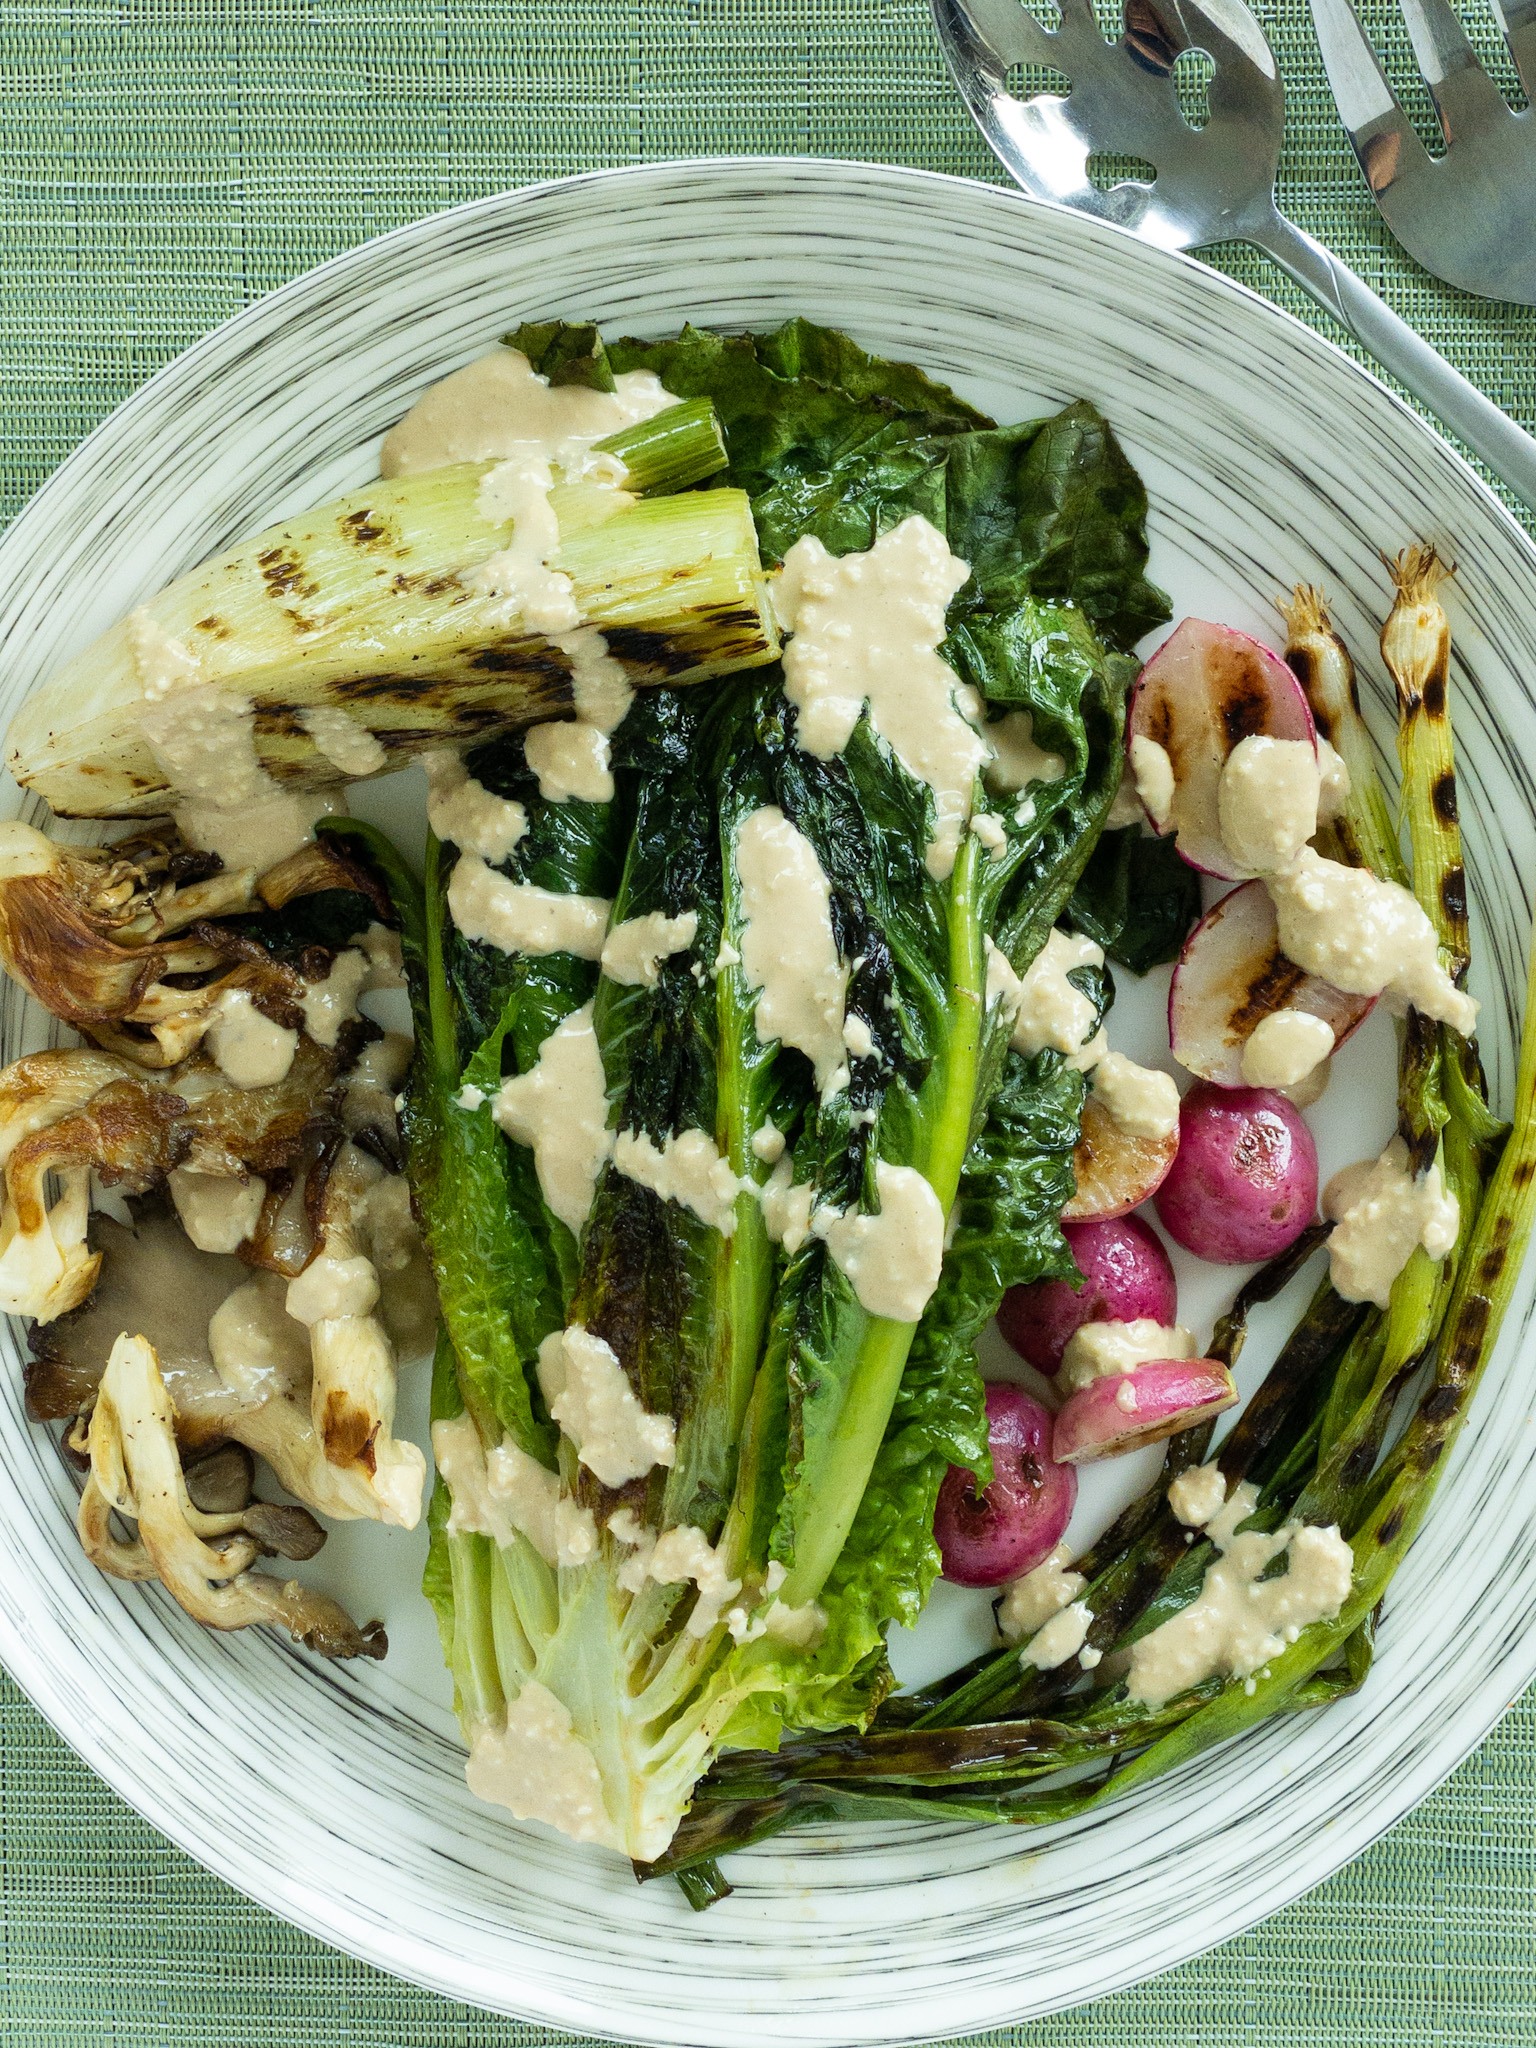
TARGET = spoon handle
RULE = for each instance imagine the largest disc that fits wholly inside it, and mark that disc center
(1508, 450)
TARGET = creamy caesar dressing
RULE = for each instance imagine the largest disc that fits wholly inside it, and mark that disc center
(688, 1168)
(203, 738)
(248, 1048)
(330, 1288)
(990, 832)
(1283, 1049)
(591, 1399)
(866, 632)
(1382, 1212)
(634, 950)
(786, 1208)
(768, 1143)
(1046, 1009)
(1368, 937)
(498, 405)
(368, 1094)
(162, 663)
(519, 917)
(1016, 761)
(1152, 773)
(1333, 776)
(216, 1212)
(559, 1108)
(858, 1037)
(538, 1767)
(500, 408)
(1060, 1638)
(508, 1494)
(1095, 1350)
(570, 760)
(1346, 925)
(571, 757)
(1266, 801)
(332, 1002)
(381, 949)
(1196, 1495)
(1142, 1101)
(788, 951)
(892, 1259)
(343, 740)
(1240, 1620)
(538, 597)
(801, 1627)
(678, 1557)
(463, 810)
(1127, 807)
(258, 1351)
(1029, 1602)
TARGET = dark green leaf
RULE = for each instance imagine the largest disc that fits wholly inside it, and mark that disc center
(1053, 509)
(566, 352)
(1137, 899)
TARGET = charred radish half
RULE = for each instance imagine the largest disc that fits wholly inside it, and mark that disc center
(1124, 1410)
(1205, 691)
(1116, 1169)
(1232, 976)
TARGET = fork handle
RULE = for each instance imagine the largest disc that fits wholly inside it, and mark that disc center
(1508, 450)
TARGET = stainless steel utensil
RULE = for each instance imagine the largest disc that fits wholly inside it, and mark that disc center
(1214, 184)
(1470, 215)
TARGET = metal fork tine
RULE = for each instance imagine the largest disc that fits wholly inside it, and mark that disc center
(1518, 21)
(1377, 126)
(1461, 89)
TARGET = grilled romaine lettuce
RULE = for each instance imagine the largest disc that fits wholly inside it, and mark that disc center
(810, 1435)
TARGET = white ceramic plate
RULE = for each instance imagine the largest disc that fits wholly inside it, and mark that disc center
(335, 1795)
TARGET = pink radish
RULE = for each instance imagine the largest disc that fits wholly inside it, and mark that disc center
(1123, 1410)
(1126, 1276)
(1000, 1534)
(1206, 688)
(1244, 1184)
(1116, 1171)
(1231, 976)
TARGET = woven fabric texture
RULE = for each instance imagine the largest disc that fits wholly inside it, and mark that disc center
(162, 162)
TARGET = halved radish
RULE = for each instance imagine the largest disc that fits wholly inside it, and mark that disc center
(1206, 689)
(1116, 1171)
(1231, 976)
(1124, 1410)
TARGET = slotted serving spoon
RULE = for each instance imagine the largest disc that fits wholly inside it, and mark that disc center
(1466, 215)
(1213, 184)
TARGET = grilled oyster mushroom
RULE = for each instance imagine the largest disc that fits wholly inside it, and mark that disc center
(72, 1113)
(89, 932)
(204, 1559)
(352, 1389)
(123, 942)
(235, 1363)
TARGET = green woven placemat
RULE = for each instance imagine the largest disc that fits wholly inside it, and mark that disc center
(162, 162)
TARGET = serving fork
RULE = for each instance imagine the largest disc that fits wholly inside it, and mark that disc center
(1470, 215)
(1214, 183)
